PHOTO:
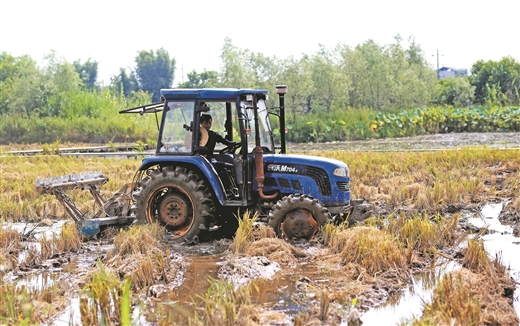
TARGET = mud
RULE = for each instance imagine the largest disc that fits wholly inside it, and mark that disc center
(418, 143)
(289, 279)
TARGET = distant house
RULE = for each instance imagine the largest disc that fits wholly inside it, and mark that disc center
(447, 72)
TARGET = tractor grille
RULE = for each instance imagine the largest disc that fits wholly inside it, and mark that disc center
(284, 183)
(343, 186)
(321, 178)
(269, 182)
(296, 185)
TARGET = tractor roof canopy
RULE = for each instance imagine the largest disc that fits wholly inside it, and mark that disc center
(204, 94)
(208, 94)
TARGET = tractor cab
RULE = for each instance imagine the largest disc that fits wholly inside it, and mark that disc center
(239, 121)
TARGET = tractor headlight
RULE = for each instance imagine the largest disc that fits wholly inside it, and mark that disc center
(341, 172)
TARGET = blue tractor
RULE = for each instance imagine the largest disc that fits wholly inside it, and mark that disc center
(193, 189)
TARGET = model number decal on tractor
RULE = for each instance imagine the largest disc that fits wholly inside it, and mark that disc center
(282, 168)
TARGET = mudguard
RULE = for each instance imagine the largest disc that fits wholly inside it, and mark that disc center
(196, 163)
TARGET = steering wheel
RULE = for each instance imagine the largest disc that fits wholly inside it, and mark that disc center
(231, 149)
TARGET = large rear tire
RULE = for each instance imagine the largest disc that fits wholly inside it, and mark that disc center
(177, 200)
(298, 217)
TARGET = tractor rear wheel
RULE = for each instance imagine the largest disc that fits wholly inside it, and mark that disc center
(177, 200)
(298, 217)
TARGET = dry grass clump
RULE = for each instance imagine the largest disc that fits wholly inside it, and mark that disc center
(479, 294)
(138, 239)
(423, 234)
(260, 240)
(373, 249)
(68, 241)
(29, 305)
(140, 256)
(452, 304)
(243, 236)
(467, 298)
(515, 204)
(275, 249)
(476, 258)
(223, 304)
(105, 300)
(10, 248)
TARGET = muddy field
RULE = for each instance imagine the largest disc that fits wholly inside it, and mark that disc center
(347, 276)
(420, 143)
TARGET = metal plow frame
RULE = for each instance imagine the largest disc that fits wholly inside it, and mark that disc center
(121, 203)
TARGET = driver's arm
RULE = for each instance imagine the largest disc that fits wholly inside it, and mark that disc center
(223, 140)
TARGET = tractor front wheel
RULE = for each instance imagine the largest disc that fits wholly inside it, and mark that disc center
(298, 217)
(177, 200)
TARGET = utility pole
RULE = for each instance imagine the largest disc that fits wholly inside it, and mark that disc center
(438, 77)
(437, 63)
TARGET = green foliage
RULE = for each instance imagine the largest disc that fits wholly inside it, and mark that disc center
(455, 91)
(496, 83)
(204, 79)
(246, 69)
(124, 83)
(336, 125)
(335, 94)
(154, 71)
(23, 86)
(86, 117)
(446, 119)
(87, 72)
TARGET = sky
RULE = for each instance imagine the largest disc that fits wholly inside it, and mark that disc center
(112, 32)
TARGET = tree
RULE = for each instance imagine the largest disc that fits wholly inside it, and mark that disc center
(233, 73)
(23, 86)
(63, 75)
(496, 82)
(154, 71)
(125, 83)
(298, 80)
(324, 73)
(455, 91)
(204, 79)
(87, 72)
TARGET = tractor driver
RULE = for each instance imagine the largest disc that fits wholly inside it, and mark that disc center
(214, 137)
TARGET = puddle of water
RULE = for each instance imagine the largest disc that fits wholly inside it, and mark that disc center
(500, 241)
(198, 270)
(408, 304)
(71, 315)
(35, 229)
(280, 292)
(488, 217)
(38, 282)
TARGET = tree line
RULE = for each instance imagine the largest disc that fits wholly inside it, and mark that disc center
(343, 81)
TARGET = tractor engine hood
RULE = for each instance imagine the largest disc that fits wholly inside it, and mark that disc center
(325, 179)
(299, 164)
